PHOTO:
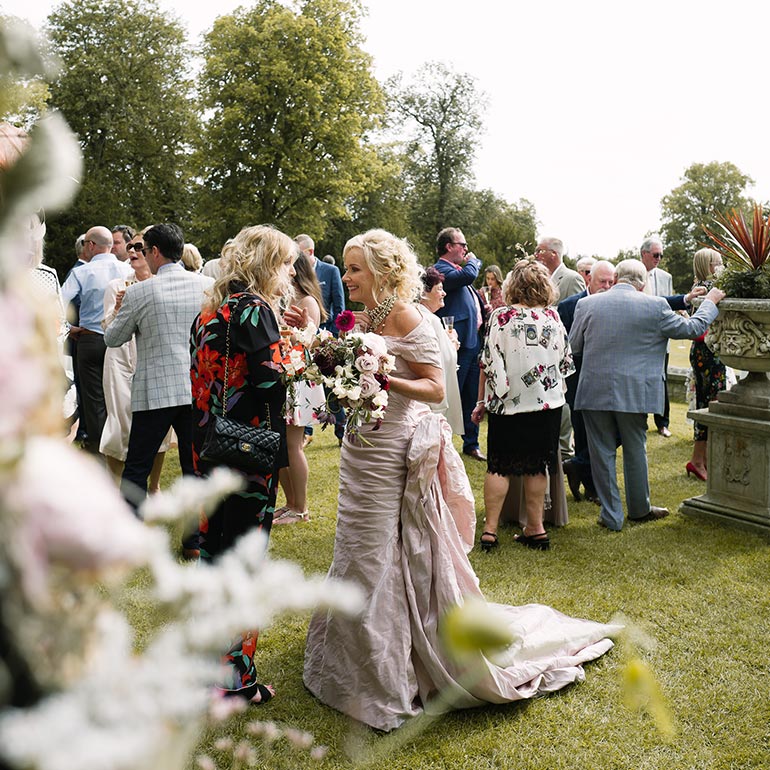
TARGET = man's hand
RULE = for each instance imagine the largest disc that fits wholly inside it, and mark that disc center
(715, 295)
(119, 299)
(698, 291)
(75, 332)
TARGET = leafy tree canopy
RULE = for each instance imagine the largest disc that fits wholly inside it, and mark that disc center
(706, 188)
(125, 90)
(292, 100)
(440, 111)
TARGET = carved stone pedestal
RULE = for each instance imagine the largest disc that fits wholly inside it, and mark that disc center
(738, 487)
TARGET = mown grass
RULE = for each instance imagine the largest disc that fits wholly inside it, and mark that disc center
(698, 589)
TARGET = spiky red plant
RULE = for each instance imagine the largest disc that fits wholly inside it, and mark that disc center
(748, 248)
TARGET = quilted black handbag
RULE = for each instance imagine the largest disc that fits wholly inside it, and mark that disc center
(236, 444)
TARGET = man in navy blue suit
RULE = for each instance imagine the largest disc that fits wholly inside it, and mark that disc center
(460, 269)
(330, 280)
(333, 298)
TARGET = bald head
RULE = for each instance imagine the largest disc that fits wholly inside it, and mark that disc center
(602, 276)
(101, 236)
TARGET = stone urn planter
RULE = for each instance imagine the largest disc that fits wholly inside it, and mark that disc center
(740, 336)
(738, 486)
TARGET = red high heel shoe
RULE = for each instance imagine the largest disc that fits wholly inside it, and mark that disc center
(690, 468)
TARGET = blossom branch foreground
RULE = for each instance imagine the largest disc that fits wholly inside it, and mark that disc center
(75, 692)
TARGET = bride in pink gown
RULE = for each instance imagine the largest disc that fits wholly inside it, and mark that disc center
(405, 524)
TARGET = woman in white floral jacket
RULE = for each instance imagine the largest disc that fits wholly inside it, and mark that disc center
(524, 361)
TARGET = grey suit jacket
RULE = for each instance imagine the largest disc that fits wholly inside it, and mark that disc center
(567, 282)
(160, 311)
(622, 335)
(660, 282)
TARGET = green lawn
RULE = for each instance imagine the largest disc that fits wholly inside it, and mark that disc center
(698, 590)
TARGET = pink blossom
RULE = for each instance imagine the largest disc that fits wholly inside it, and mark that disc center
(69, 512)
(369, 386)
(345, 321)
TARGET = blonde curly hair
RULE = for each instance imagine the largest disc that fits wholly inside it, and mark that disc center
(392, 262)
(529, 284)
(251, 262)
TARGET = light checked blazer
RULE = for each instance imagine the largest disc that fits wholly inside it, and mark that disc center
(622, 335)
(160, 311)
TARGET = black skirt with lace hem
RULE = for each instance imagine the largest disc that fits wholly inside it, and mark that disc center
(523, 444)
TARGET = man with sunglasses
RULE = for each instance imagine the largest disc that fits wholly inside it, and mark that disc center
(84, 288)
(659, 284)
(460, 269)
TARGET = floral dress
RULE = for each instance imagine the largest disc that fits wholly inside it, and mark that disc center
(525, 358)
(254, 389)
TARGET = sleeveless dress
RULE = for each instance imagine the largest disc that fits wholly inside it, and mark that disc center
(405, 543)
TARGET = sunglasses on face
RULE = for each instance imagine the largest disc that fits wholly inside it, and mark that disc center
(137, 247)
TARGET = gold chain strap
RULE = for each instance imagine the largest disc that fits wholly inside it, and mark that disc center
(227, 370)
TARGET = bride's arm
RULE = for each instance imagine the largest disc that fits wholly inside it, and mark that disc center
(428, 387)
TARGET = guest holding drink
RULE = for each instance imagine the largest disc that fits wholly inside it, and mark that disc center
(524, 361)
(493, 288)
(119, 368)
(432, 299)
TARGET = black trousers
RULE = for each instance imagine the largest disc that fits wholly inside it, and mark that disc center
(148, 429)
(662, 420)
(90, 364)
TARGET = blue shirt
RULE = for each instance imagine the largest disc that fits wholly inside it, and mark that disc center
(87, 284)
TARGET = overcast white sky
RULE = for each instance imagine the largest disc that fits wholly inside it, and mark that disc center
(596, 108)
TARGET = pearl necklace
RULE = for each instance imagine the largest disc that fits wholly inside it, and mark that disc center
(378, 314)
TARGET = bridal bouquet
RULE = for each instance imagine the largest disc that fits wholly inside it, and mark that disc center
(355, 368)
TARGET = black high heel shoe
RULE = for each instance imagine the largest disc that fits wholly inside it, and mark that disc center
(539, 542)
(488, 545)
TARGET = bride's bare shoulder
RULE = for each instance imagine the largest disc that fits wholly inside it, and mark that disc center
(404, 318)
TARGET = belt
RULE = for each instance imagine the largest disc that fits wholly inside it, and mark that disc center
(88, 331)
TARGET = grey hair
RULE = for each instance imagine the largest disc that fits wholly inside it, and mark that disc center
(304, 241)
(557, 244)
(601, 263)
(80, 242)
(631, 271)
(588, 261)
(653, 240)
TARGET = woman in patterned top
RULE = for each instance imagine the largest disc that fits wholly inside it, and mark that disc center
(523, 364)
(256, 271)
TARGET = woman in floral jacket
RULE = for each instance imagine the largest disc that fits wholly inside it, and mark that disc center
(525, 358)
(256, 271)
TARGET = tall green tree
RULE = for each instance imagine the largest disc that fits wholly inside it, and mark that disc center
(291, 100)
(383, 205)
(440, 110)
(125, 90)
(500, 233)
(705, 189)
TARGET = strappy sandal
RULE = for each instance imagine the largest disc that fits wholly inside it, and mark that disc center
(265, 694)
(289, 516)
(488, 545)
(539, 542)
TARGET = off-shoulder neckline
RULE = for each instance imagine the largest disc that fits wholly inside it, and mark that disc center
(423, 320)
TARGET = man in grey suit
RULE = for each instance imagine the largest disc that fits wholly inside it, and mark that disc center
(160, 313)
(550, 252)
(622, 336)
(659, 284)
